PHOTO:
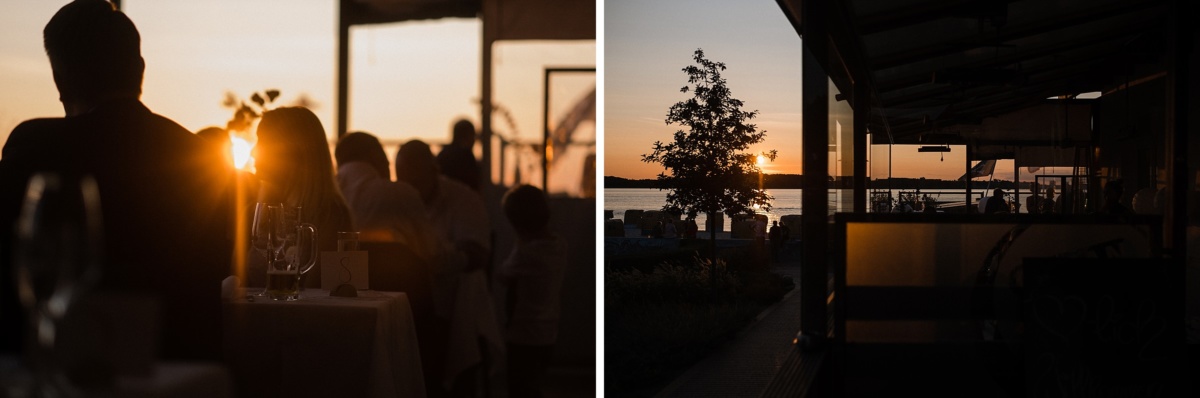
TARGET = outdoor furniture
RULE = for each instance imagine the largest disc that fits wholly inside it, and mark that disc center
(323, 346)
(937, 304)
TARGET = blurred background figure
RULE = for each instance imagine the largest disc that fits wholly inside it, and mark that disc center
(533, 275)
(1112, 198)
(457, 160)
(295, 168)
(996, 204)
(381, 209)
(462, 303)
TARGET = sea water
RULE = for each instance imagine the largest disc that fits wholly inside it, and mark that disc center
(785, 202)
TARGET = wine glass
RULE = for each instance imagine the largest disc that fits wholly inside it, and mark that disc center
(56, 258)
(264, 230)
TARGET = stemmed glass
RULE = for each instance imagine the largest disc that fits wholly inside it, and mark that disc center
(56, 258)
(264, 232)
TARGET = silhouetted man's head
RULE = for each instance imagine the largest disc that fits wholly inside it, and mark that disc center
(998, 192)
(464, 134)
(95, 52)
(362, 147)
(416, 166)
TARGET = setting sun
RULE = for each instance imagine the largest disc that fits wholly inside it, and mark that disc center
(241, 152)
(762, 160)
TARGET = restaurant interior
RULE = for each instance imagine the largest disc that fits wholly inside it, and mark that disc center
(1000, 305)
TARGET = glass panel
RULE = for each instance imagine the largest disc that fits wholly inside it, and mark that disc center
(841, 156)
(571, 124)
(518, 101)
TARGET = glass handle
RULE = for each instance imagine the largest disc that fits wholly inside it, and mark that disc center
(313, 250)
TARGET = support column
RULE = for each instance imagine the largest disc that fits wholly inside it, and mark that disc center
(1179, 46)
(1017, 186)
(490, 28)
(814, 274)
(969, 209)
(860, 147)
(343, 67)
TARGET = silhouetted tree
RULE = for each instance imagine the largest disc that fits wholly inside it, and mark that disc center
(708, 170)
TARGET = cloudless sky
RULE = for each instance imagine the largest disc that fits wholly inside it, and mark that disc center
(408, 80)
(413, 79)
(647, 43)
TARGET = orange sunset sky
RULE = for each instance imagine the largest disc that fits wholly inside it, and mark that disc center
(408, 80)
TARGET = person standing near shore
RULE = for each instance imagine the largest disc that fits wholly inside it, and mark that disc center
(776, 237)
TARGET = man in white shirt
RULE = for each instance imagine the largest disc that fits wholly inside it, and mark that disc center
(382, 210)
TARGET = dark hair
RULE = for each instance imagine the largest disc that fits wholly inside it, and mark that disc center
(527, 209)
(362, 147)
(94, 50)
(463, 133)
(416, 166)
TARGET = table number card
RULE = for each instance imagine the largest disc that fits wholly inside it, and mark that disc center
(344, 267)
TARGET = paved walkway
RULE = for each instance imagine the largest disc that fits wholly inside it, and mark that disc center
(744, 366)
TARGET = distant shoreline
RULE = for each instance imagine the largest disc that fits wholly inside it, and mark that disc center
(795, 181)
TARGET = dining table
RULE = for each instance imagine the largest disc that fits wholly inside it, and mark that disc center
(322, 345)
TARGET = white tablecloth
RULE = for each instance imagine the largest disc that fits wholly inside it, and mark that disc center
(322, 346)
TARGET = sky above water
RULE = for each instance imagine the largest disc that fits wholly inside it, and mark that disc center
(413, 79)
(647, 43)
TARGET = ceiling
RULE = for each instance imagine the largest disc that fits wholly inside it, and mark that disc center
(939, 71)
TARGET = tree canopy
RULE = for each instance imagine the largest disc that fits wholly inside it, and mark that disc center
(705, 166)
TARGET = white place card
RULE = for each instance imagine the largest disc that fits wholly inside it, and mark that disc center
(344, 267)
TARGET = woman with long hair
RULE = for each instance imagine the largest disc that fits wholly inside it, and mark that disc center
(294, 165)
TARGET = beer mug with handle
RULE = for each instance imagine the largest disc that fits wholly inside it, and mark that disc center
(293, 252)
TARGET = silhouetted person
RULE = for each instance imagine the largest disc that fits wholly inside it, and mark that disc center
(461, 298)
(387, 211)
(533, 274)
(1033, 203)
(457, 160)
(382, 210)
(295, 168)
(164, 192)
(219, 138)
(1112, 198)
(669, 230)
(1066, 201)
(690, 229)
(775, 234)
(1048, 202)
(996, 203)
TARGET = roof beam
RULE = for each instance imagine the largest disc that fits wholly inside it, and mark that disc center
(923, 76)
(908, 15)
(1005, 35)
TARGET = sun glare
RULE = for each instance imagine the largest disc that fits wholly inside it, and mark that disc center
(241, 152)
(762, 160)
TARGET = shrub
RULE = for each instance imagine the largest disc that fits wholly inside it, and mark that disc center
(669, 283)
